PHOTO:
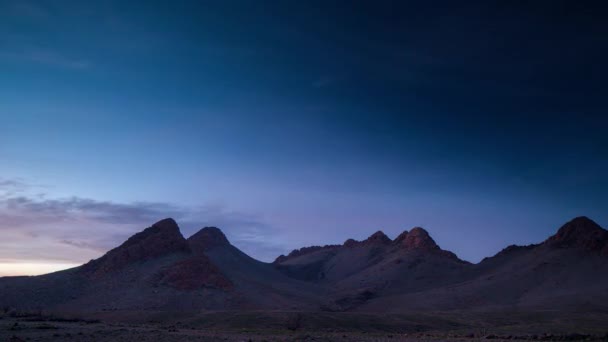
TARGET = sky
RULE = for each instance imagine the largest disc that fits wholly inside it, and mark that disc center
(296, 123)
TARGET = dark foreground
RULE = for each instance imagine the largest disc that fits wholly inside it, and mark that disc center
(319, 326)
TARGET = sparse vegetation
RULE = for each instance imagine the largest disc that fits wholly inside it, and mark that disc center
(288, 326)
(40, 316)
(294, 321)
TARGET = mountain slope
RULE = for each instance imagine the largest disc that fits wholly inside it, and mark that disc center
(154, 269)
(158, 269)
(259, 285)
(568, 271)
(357, 271)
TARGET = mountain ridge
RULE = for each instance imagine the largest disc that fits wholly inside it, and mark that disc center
(159, 269)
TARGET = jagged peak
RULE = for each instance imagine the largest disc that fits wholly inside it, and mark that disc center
(578, 226)
(509, 250)
(207, 239)
(166, 229)
(378, 237)
(162, 238)
(350, 243)
(302, 251)
(581, 232)
(419, 231)
(401, 237)
(417, 238)
(167, 223)
(281, 258)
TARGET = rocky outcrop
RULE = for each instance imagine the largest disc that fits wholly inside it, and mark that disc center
(417, 238)
(162, 238)
(510, 250)
(193, 273)
(302, 251)
(582, 233)
(399, 240)
(350, 243)
(378, 238)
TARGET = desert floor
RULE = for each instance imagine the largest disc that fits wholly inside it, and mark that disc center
(318, 326)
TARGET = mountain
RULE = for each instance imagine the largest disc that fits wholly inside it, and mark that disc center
(582, 233)
(258, 284)
(358, 271)
(568, 271)
(162, 238)
(159, 269)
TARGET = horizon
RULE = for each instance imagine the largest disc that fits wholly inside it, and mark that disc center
(17, 269)
(295, 124)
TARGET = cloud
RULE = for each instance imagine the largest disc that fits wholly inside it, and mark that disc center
(10, 183)
(14, 184)
(81, 244)
(76, 229)
(100, 211)
(22, 211)
(11, 187)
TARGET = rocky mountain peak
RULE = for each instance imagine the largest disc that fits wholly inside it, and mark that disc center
(417, 238)
(401, 237)
(160, 239)
(581, 232)
(207, 239)
(350, 243)
(303, 251)
(377, 237)
(163, 236)
(166, 224)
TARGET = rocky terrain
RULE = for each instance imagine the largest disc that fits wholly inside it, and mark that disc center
(409, 285)
(568, 270)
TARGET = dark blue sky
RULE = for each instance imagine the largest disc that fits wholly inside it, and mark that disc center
(294, 123)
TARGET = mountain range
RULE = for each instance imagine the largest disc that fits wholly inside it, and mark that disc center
(159, 269)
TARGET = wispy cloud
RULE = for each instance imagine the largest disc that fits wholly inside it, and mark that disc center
(82, 244)
(12, 184)
(11, 187)
(77, 229)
